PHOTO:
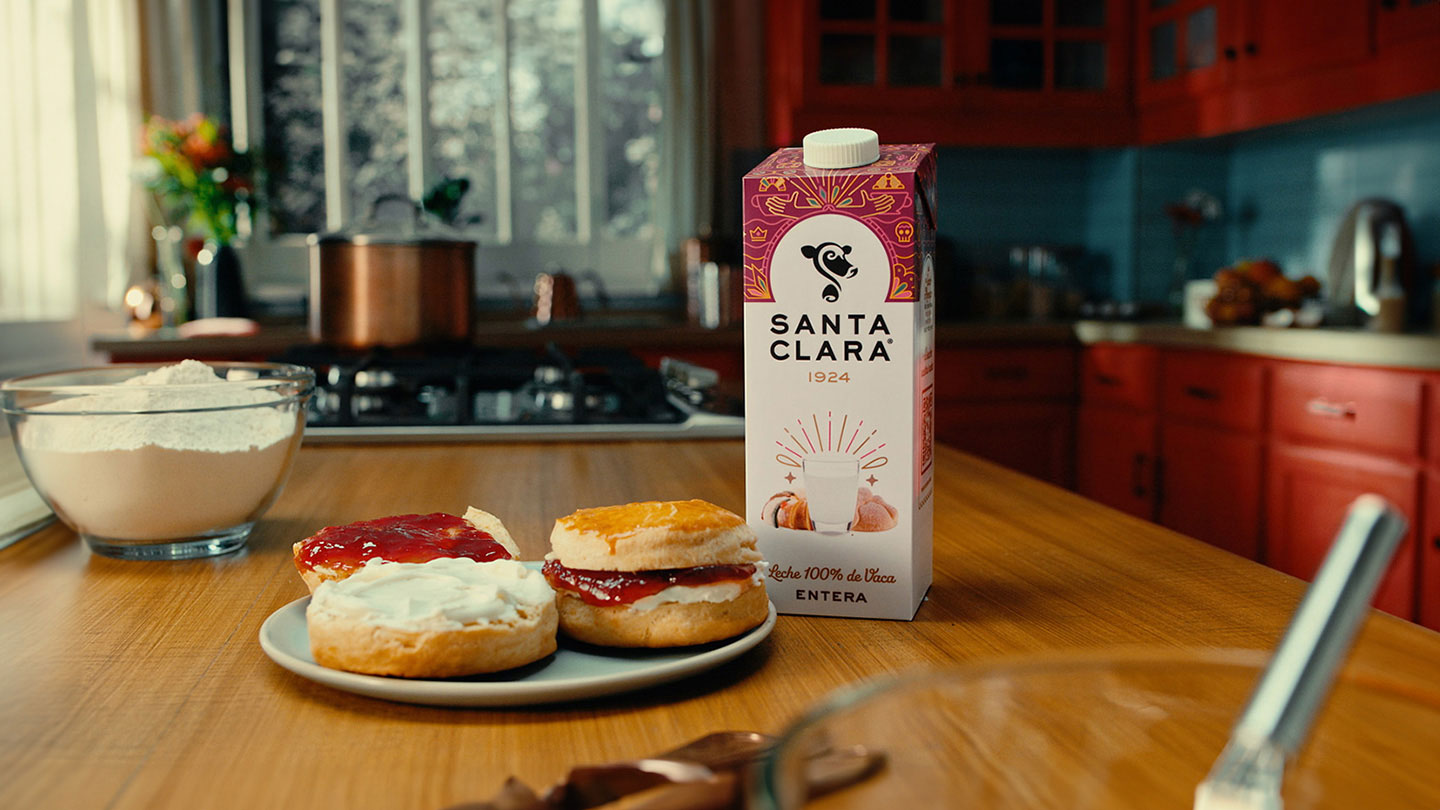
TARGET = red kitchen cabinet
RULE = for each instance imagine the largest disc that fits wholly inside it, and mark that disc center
(1178, 49)
(1308, 491)
(1211, 486)
(1116, 443)
(1401, 22)
(1428, 583)
(1005, 373)
(1368, 409)
(959, 72)
(1213, 388)
(1282, 38)
(1432, 421)
(1012, 405)
(1116, 458)
(1120, 374)
(1035, 438)
(1207, 67)
(1212, 449)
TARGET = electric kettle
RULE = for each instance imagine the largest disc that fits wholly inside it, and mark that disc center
(1354, 268)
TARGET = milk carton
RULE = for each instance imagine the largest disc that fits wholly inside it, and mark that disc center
(839, 373)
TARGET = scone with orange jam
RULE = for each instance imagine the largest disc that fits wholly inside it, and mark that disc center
(444, 618)
(335, 552)
(656, 574)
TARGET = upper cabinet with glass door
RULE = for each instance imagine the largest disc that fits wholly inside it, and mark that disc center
(996, 72)
(1210, 66)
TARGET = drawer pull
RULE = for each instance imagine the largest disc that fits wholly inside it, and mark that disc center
(1006, 373)
(1196, 392)
(1106, 379)
(1321, 406)
(1137, 476)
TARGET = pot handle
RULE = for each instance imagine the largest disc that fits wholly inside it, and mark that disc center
(416, 212)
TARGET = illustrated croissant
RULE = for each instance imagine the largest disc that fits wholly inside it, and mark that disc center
(790, 510)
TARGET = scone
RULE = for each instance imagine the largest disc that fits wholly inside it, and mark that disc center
(444, 618)
(656, 574)
(335, 552)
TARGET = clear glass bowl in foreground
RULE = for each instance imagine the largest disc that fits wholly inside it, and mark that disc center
(1114, 731)
(159, 471)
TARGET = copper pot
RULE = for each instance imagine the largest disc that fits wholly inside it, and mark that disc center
(391, 289)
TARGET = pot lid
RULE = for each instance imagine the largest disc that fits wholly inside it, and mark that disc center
(418, 228)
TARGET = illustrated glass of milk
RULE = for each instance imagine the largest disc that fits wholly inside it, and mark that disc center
(832, 481)
(840, 373)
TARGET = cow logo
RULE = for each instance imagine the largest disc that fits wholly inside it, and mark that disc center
(832, 263)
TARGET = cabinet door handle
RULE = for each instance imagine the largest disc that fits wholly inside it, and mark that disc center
(1196, 392)
(1158, 487)
(1006, 373)
(1106, 379)
(1231, 53)
(1389, 5)
(1321, 406)
(1251, 49)
(1137, 476)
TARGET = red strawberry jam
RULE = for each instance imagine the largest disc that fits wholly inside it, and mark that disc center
(402, 538)
(602, 588)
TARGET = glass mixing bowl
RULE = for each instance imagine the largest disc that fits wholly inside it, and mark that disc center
(165, 469)
(1113, 730)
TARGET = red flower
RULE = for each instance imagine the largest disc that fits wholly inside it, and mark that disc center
(1185, 214)
(205, 152)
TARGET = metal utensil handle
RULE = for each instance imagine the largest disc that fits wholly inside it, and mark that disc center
(1300, 675)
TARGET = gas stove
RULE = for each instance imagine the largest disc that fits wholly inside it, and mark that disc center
(469, 393)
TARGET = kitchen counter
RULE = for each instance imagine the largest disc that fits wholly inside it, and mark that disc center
(647, 331)
(651, 332)
(641, 330)
(142, 685)
(1352, 346)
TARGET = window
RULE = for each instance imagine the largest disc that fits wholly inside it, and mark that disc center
(68, 95)
(559, 114)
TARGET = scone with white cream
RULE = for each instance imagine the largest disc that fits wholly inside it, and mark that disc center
(443, 618)
(656, 574)
(335, 552)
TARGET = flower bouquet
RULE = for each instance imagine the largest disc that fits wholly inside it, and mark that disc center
(1187, 217)
(198, 184)
(197, 178)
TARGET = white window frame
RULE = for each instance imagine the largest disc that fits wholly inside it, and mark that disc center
(278, 265)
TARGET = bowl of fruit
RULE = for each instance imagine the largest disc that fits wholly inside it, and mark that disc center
(1253, 292)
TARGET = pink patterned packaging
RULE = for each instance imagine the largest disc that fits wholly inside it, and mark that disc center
(840, 374)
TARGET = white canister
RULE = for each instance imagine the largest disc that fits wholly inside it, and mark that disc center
(1197, 295)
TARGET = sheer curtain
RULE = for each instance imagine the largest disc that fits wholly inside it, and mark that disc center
(69, 111)
(686, 204)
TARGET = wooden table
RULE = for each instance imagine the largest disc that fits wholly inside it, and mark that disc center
(142, 685)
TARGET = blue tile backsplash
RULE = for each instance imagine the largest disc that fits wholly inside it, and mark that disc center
(1284, 190)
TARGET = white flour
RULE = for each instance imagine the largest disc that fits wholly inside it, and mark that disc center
(173, 393)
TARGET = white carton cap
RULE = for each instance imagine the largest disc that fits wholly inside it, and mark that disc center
(843, 148)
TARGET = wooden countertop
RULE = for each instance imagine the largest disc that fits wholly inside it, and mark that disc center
(142, 685)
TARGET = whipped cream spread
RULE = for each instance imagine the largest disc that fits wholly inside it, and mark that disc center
(691, 594)
(447, 593)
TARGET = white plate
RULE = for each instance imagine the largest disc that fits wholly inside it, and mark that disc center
(574, 672)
